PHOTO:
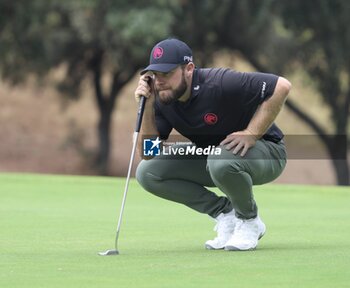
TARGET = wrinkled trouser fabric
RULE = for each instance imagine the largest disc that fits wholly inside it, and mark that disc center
(185, 180)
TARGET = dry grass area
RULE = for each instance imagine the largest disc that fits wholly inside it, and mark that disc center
(41, 132)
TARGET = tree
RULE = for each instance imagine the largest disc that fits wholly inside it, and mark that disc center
(321, 32)
(92, 37)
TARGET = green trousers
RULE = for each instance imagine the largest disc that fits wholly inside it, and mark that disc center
(186, 180)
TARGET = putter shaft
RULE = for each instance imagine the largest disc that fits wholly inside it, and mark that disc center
(132, 156)
(135, 138)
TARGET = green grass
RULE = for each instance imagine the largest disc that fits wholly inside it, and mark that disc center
(51, 228)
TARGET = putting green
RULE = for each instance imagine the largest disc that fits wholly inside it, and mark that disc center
(53, 226)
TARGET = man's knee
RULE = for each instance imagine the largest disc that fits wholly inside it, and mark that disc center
(220, 167)
(146, 174)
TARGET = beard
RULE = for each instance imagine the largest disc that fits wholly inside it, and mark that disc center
(169, 96)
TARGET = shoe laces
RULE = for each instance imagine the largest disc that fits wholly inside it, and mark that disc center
(225, 225)
(246, 229)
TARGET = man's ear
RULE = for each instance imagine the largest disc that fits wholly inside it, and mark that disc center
(190, 68)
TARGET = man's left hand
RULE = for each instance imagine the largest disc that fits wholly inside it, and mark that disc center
(237, 141)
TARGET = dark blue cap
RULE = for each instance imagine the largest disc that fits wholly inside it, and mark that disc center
(167, 55)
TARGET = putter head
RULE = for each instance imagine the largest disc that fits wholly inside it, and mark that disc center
(109, 252)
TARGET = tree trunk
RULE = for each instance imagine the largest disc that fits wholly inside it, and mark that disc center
(106, 104)
(105, 110)
(104, 145)
(336, 145)
(342, 171)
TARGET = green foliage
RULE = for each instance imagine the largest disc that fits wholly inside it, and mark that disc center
(322, 34)
(40, 35)
(91, 38)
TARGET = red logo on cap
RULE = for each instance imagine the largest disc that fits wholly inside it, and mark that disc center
(158, 52)
(210, 118)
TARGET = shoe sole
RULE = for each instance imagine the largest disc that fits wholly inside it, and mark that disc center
(234, 248)
(208, 247)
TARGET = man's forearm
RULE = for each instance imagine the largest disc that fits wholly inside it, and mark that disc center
(267, 112)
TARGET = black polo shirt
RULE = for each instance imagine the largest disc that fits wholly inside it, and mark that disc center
(222, 101)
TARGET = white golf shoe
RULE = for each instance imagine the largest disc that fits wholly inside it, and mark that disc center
(225, 225)
(246, 234)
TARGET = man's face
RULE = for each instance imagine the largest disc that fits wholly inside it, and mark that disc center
(170, 86)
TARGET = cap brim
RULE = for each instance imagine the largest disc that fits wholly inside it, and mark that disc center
(164, 68)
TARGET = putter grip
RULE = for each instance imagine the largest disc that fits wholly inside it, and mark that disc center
(140, 113)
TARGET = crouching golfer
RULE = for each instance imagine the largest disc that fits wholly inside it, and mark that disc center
(219, 108)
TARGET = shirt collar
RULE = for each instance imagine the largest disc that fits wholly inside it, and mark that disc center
(196, 87)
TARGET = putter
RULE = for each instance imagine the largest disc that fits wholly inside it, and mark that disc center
(135, 138)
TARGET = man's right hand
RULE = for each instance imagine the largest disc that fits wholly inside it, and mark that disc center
(145, 88)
